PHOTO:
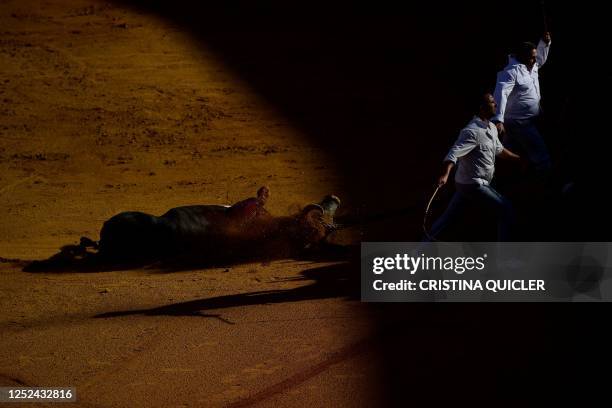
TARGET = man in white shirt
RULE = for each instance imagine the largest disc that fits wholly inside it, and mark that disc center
(474, 154)
(517, 95)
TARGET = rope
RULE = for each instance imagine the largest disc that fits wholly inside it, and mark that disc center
(427, 212)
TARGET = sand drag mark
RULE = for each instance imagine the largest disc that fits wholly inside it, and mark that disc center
(302, 376)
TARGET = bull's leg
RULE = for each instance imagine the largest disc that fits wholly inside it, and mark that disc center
(245, 211)
(71, 252)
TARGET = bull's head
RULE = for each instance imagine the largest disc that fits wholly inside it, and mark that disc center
(317, 220)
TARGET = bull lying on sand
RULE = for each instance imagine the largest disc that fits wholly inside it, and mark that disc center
(214, 231)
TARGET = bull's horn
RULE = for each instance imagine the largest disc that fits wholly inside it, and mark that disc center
(311, 207)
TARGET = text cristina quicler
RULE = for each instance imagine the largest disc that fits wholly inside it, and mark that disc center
(493, 285)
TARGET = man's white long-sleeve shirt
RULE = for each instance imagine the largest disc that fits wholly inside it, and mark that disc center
(474, 152)
(517, 92)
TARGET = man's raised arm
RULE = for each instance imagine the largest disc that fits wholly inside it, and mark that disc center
(543, 49)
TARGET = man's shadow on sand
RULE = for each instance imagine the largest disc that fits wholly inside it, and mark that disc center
(333, 281)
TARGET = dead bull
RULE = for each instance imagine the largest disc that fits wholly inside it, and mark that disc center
(212, 231)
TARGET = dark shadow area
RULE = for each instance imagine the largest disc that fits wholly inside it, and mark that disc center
(339, 280)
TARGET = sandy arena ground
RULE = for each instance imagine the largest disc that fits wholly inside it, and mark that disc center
(147, 105)
(103, 110)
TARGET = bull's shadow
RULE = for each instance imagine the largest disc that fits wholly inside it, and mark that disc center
(78, 259)
(338, 280)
